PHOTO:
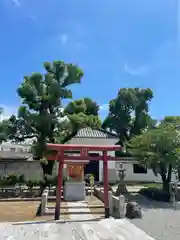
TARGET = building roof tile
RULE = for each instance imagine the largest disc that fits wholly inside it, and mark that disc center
(94, 133)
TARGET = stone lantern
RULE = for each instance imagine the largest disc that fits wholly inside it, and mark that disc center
(121, 173)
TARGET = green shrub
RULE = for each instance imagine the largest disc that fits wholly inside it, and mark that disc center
(41, 183)
(22, 179)
(50, 180)
(12, 179)
(156, 194)
(32, 183)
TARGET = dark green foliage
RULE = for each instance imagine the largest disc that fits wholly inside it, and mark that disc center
(51, 180)
(81, 113)
(155, 194)
(159, 149)
(84, 105)
(40, 113)
(4, 128)
(12, 179)
(172, 120)
(30, 184)
(128, 113)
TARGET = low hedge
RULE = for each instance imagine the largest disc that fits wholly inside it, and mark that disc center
(155, 194)
(13, 179)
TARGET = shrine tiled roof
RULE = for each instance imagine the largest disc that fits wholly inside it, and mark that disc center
(94, 133)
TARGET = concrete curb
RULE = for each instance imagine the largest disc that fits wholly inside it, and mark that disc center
(20, 199)
(55, 221)
(35, 199)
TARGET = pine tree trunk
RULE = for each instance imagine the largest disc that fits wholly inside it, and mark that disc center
(166, 186)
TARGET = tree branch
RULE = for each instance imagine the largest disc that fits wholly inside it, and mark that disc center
(20, 139)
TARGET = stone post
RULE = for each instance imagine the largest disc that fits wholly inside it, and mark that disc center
(110, 203)
(44, 200)
(121, 186)
(47, 191)
(43, 203)
(121, 206)
(173, 192)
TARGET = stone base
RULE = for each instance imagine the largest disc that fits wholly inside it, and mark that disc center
(74, 191)
(121, 189)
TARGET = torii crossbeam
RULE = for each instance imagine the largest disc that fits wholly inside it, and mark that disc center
(84, 150)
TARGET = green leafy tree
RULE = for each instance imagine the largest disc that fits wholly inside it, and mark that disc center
(82, 113)
(4, 126)
(84, 105)
(40, 116)
(174, 121)
(158, 149)
(128, 113)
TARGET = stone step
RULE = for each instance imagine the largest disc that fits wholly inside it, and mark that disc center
(52, 211)
(78, 207)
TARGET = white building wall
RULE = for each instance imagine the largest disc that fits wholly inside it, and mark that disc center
(111, 167)
(32, 171)
(131, 176)
(144, 177)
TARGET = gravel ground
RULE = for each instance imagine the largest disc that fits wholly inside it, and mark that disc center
(159, 220)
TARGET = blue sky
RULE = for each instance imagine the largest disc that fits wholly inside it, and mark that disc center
(117, 43)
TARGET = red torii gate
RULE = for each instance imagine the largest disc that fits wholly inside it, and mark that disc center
(84, 155)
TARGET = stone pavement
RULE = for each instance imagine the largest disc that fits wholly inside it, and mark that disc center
(79, 211)
(102, 230)
(161, 222)
(76, 207)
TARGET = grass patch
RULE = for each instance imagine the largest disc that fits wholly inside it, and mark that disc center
(141, 184)
(153, 185)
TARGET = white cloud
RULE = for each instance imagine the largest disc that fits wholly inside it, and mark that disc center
(104, 107)
(63, 38)
(17, 3)
(7, 111)
(138, 71)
